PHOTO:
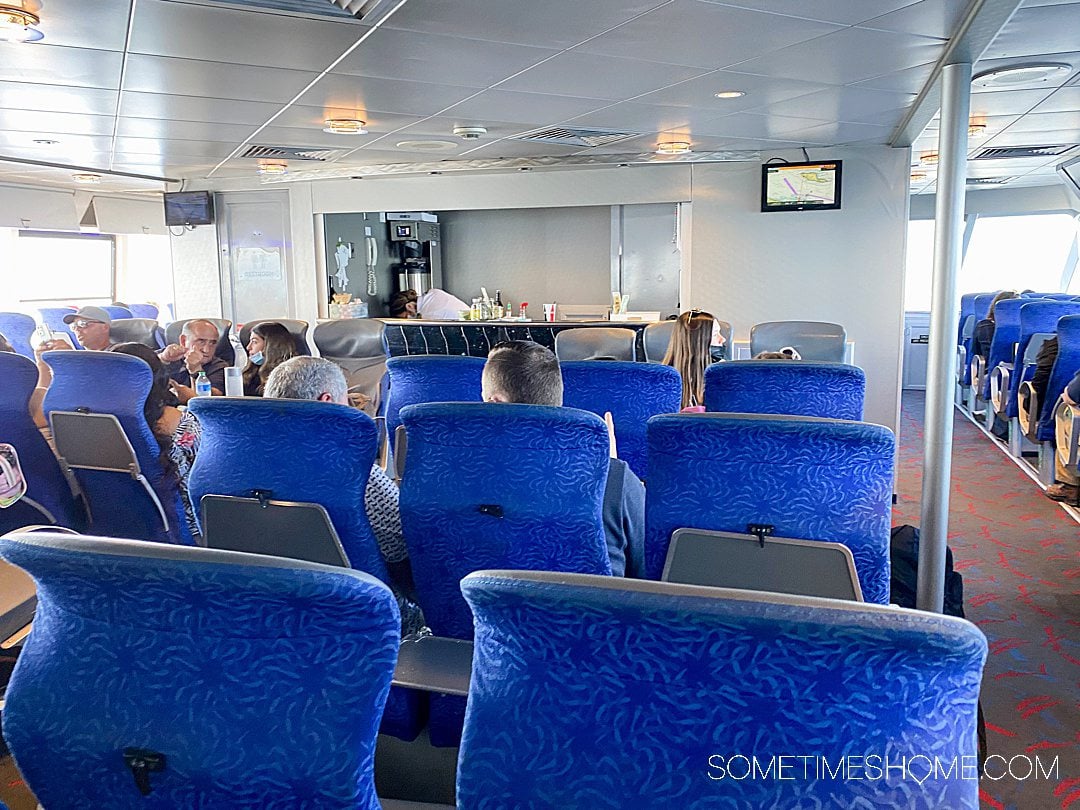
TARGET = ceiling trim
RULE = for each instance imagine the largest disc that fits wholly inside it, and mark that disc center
(89, 169)
(982, 22)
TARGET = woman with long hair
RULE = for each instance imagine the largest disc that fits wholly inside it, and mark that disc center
(270, 345)
(689, 353)
(178, 433)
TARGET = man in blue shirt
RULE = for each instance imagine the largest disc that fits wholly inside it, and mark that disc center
(527, 373)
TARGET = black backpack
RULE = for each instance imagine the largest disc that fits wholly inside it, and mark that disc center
(904, 556)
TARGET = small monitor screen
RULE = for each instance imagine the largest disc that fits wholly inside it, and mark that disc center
(800, 186)
(189, 208)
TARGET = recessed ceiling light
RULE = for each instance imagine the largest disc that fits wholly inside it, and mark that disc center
(974, 130)
(673, 148)
(272, 167)
(1016, 75)
(730, 94)
(86, 178)
(344, 126)
(427, 146)
(45, 142)
(928, 158)
(17, 24)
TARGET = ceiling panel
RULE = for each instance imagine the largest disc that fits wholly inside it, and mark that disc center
(215, 34)
(1064, 100)
(754, 125)
(840, 132)
(211, 150)
(187, 77)
(181, 130)
(1049, 122)
(1010, 102)
(449, 60)
(642, 118)
(547, 24)
(593, 76)
(508, 105)
(706, 35)
(63, 23)
(49, 64)
(1046, 137)
(929, 18)
(195, 108)
(847, 56)
(54, 98)
(909, 80)
(856, 104)
(390, 95)
(37, 122)
(1037, 30)
(844, 12)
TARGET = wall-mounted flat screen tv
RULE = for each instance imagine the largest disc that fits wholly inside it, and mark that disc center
(800, 186)
(189, 208)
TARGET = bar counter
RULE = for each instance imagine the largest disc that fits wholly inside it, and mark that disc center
(475, 338)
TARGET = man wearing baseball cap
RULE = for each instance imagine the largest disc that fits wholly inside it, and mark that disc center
(91, 328)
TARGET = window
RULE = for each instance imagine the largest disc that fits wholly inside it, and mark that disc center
(920, 265)
(59, 268)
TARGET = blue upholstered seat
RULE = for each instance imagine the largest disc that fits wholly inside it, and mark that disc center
(814, 479)
(53, 317)
(799, 388)
(17, 328)
(1003, 344)
(46, 484)
(1065, 368)
(261, 680)
(599, 693)
(632, 392)
(117, 384)
(311, 452)
(497, 485)
(964, 331)
(144, 311)
(430, 378)
(1036, 317)
(118, 313)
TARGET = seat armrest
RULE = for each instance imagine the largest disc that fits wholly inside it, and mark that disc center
(1028, 405)
(1070, 454)
(435, 664)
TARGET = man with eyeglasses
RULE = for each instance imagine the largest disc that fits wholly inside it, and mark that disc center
(195, 354)
(91, 327)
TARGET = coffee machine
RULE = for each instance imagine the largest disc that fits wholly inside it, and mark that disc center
(417, 236)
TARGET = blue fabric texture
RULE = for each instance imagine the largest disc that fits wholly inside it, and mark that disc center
(1006, 333)
(312, 452)
(1065, 368)
(144, 311)
(45, 482)
(1036, 317)
(118, 313)
(497, 485)
(430, 378)
(796, 388)
(18, 328)
(632, 392)
(53, 317)
(261, 682)
(588, 693)
(813, 479)
(117, 384)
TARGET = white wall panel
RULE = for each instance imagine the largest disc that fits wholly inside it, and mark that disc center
(196, 279)
(843, 266)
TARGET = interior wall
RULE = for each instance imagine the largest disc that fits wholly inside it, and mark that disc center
(843, 266)
(196, 278)
(538, 255)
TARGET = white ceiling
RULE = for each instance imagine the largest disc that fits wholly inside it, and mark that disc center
(178, 88)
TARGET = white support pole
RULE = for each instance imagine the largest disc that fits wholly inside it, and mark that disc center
(941, 368)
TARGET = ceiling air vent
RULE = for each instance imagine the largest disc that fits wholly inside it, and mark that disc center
(989, 181)
(1003, 152)
(315, 8)
(577, 137)
(364, 10)
(293, 153)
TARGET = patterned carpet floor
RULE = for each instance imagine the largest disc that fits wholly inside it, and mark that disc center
(1019, 554)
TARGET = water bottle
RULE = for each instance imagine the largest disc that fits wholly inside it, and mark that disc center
(202, 385)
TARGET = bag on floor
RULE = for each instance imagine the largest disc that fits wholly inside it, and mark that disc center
(904, 556)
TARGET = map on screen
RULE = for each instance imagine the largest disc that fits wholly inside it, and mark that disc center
(800, 186)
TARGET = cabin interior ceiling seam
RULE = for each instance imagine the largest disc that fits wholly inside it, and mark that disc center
(180, 88)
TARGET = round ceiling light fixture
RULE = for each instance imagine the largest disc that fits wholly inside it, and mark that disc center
(730, 94)
(272, 167)
(928, 158)
(344, 126)
(86, 178)
(427, 146)
(1021, 75)
(975, 129)
(673, 148)
(18, 25)
(918, 177)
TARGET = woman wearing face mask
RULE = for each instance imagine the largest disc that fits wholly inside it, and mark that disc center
(270, 346)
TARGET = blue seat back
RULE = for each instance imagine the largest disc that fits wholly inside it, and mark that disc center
(17, 328)
(814, 479)
(311, 452)
(146, 331)
(53, 317)
(982, 305)
(1006, 333)
(430, 378)
(631, 392)
(144, 311)
(1055, 296)
(45, 482)
(806, 388)
(641, 694)
(1036, 317)
(118, 313)
(499, 485)
(814, 340)
(967, 307)
(256, 677)
(1065, 368)
(117, 384)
